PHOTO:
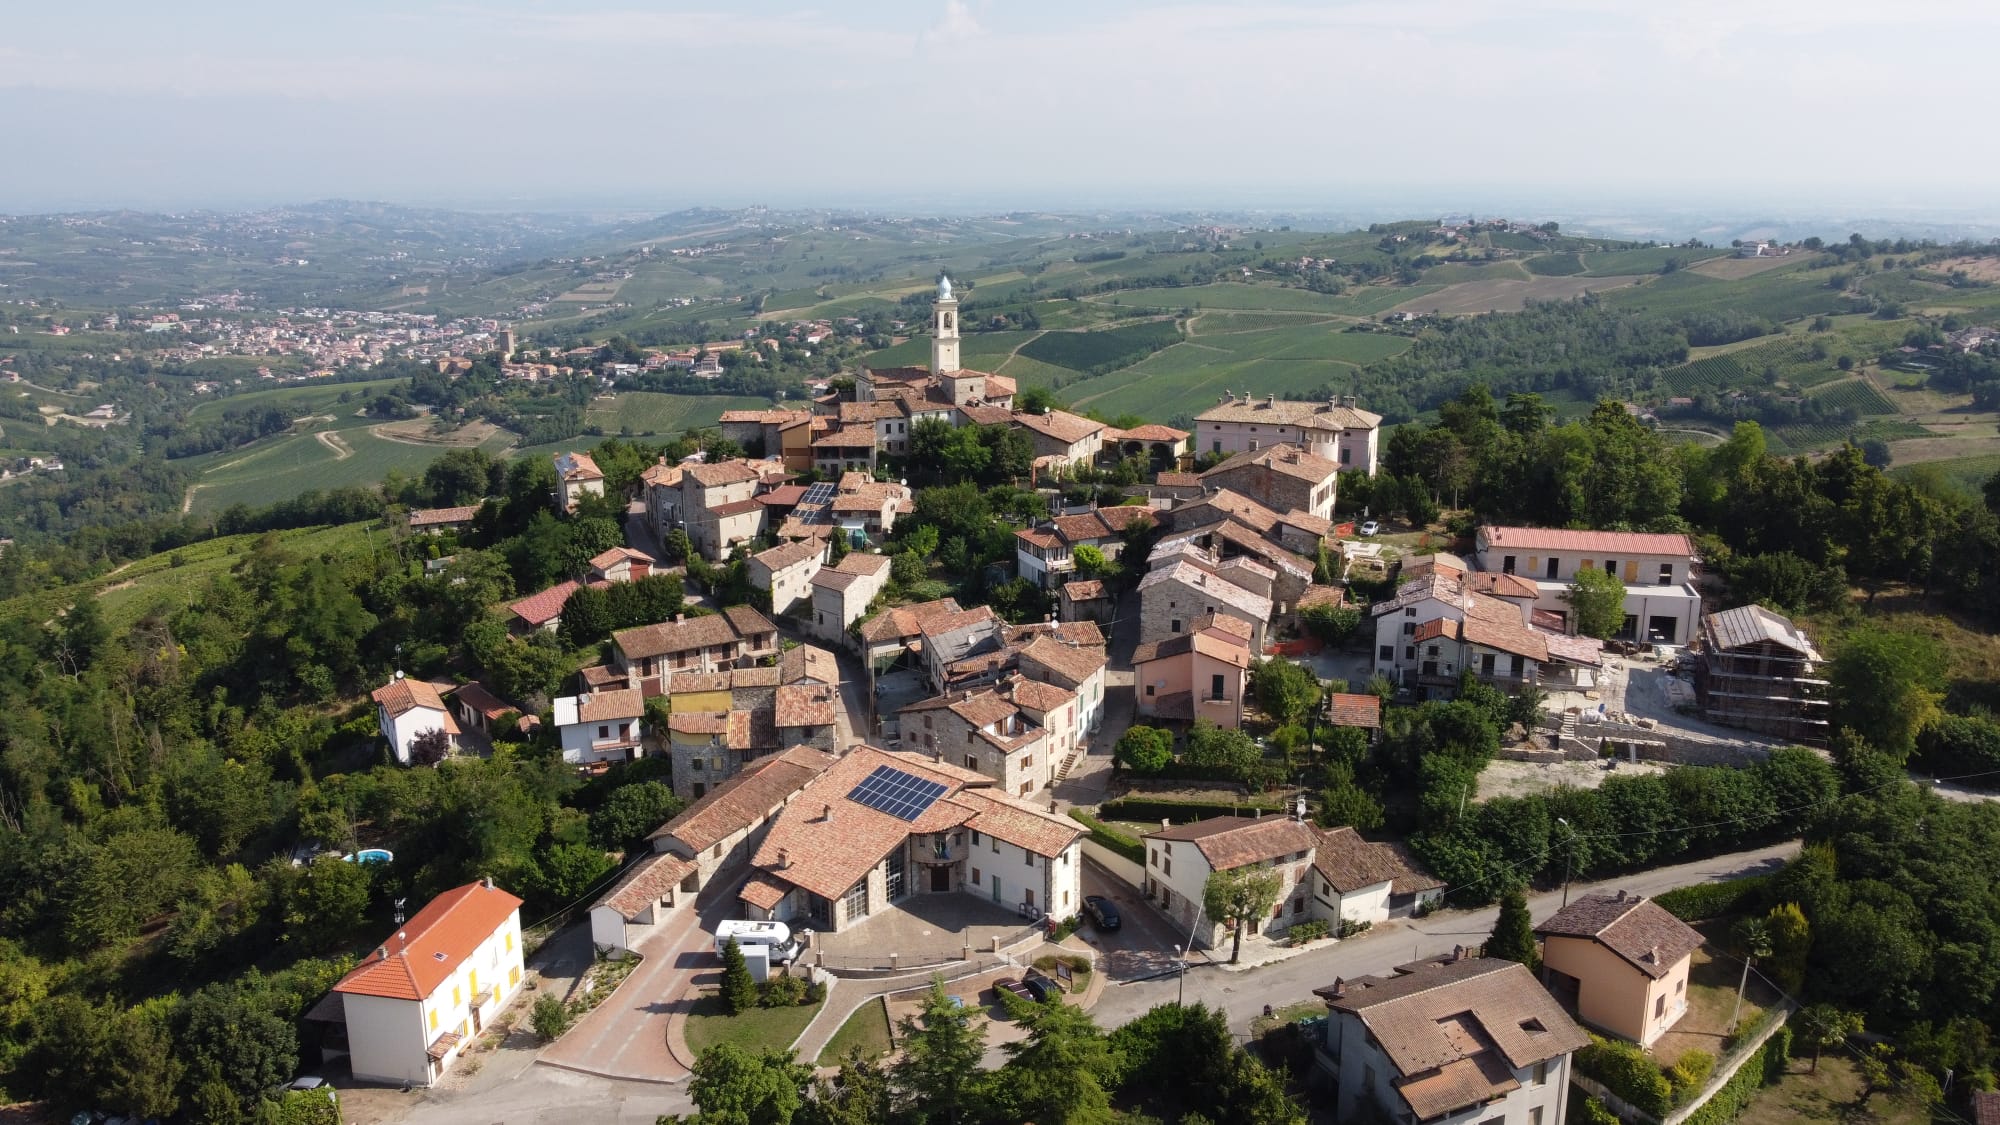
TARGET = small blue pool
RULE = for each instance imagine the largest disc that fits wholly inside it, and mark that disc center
(371, 855)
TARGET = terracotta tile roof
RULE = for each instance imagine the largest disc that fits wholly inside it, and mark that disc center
(434, 517)
(449, 929)
(747, 621)
(1286, 412)
(1014, 822)
(1037, 696)
(783, 496)
(1249, 603)
(805, 705)
(1455, 1032)
(1083, 527)
(906, 620)
(735, 508)
(609, 706)
(1227, 503)
(544, 607)
(1506, 637)
(1573, 650)
(1501, 585)
(1351, 863)
(649, 881)
(826, 843)
(743, 731)
(1037, 537)
(940, 624)
(662, 475)
(999, 386)
(1230, 649)
(1152, 431)
(1321, 595)
(1283, 458)
(1124, 516)
(864, 565)
(690, 683)
(859, 437)
(1353, 710)
(1060, 425)
(875, 411)
(674, 636)
(987, 415)
(1616, 543)
(475, 696)
(1633, 926)
(1419, 565)
(736, 804)
(699, 722)
(808, 663)
(599, 677)
(1306, 522)
(1985, 1108)
(616, 555)
(723, 472)
(763, 892)
(1435, 628)
(1266, 551)
(403, 695)
(1178, 480)
(1088, 590)
(1070, 664)
(1229, 842)
(577, 466)
(758, 677)
(1235, 627)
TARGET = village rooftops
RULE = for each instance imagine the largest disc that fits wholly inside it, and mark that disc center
(1288, 460)
(428, 949)
(1069, 660)
(784, 556)
(906, 621)
(402, 695)
(1633, 926)
(1229, 842)
(1283, 412)
(1354, 710)
(1247, 602)
(442, 517)
(602, 707)
(1350, 863)
(538, 609)
(616, 555)
(723, 473)
(754, 793)
(675, 636)
(826, 840)
(1618, 543)
(650, 879)
(1229, 649)
(1457, 1030)
(808, 664)
(1752, 624)
(850, 570)
(577, 466)
(1060, 425)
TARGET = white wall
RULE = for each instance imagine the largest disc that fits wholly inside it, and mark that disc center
(386, 1040)
(1360, 1059)
(1020, 870)
(1368, 904)
(387, 1037)
(404, 728)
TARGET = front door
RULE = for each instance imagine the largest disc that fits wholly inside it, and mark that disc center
(476, 1022)
(940, 878)
(996, 888)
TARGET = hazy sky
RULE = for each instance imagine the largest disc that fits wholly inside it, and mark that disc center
(989, 103)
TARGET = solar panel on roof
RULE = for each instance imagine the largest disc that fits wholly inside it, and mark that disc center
(902, 795)
(821, 493)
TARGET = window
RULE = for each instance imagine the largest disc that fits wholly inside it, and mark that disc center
(1506, 564)
(1409, 652)
(1431, 651)
(1659, 1006)
(1299, 905)
(1666, 574)
(1027, 760)
(1611, 567)
(1552, 567)
(510, 946)
(1167, 866)
(1535, 1115)
(1153, 855)
(1253, 443)
(1215, 686)
(698, 764)
(1409, 628)
(1346, 455)
(855, 905)
(513, 977)
(1174, 626)
(975, 837)
(1541, 1072)
(1028, 857)
(1485, 663)
(1217, 448)
(927, 722)
(472, 981)
(975, 876)
(1680, 986)
(996, 847)
(1388, 652)
(1410, 611)
(603, 731)
(700, 790)
(456, 997)
(1150, 689)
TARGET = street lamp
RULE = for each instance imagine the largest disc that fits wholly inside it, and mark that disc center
(1569, 840)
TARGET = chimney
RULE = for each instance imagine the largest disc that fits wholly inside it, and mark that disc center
(1339, 989)
(489, 882)
(784, 859)
(382, 952)
(1458, 953)
(1621, 895)
(1656, 953)
(1165, 824)
(826, 812)
(679, 618)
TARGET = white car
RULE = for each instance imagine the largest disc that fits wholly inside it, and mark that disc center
(1370, 528)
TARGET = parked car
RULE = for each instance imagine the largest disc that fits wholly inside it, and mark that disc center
(1017, 987)
(1371, 527)
(1103, 912)
(1041, 986)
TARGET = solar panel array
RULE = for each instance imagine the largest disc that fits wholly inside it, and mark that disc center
(901, 795)
(821, 493)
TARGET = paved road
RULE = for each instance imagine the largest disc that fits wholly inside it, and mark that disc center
(1244, 994)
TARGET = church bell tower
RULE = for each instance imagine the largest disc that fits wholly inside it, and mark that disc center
(944, 331)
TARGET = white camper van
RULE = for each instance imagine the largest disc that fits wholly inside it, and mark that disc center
(774, 936)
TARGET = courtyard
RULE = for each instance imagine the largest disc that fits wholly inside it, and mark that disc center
(923, 930)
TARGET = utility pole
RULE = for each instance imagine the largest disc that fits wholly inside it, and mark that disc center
(1569, 838)
(1180, 996)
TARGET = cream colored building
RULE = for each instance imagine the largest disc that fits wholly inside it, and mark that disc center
(1621, 963)
(412, 1005)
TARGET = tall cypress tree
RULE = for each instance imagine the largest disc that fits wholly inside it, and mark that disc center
(1514, 931)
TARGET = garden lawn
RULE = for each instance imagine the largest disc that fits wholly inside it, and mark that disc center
(710, 1024)
(867, 1029)
(1831, 1095)
(1711, 998)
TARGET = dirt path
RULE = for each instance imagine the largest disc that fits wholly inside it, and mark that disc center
(341, 450)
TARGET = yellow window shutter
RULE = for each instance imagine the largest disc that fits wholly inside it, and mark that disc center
(434, 1019)
(1631, 571)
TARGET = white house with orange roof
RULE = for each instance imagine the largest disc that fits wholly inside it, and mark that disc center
(406, 708)
(1662, 605)
(576, 475)
(421, 995)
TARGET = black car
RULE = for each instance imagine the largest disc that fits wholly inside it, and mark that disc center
(1103, 912)
(1041, 987)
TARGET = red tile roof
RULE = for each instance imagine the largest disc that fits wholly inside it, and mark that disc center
(434, 517)
(1557, 539)
(646, 883)
(1353, 710)
(429, 948)
(403, 695)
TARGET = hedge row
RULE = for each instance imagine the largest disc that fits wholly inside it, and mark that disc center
(1180, 812)
(1628, 1072)
(1763, 1069)
(1702, 901)
(1110, 837)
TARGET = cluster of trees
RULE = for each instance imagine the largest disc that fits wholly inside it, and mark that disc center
(1173, 1063)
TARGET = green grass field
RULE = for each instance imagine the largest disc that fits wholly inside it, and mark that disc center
(1618, 263)
(301, 398)
(1855, 395)
(1786, 293)
(1361, 301)
(867, 1030)
(1555, 265)
(284, 467)
(1971, 473)
(650, 412)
